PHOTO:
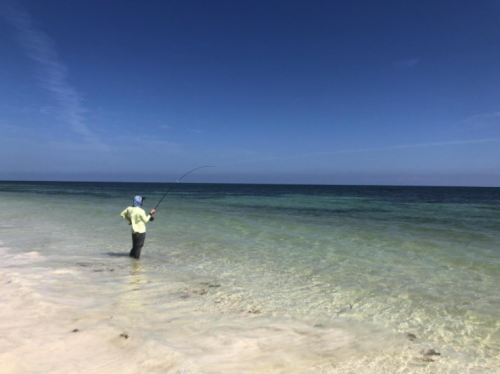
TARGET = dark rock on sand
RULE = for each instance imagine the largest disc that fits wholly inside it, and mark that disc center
(75, 330)
(431, 352)
(210, 285)
(200, 292)
(411, 336)
(124, 335)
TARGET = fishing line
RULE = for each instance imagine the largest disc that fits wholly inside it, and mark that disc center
(200, 167)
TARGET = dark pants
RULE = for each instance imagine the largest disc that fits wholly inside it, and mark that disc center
(137, 243)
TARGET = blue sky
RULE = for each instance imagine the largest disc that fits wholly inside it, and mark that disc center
(335, 92)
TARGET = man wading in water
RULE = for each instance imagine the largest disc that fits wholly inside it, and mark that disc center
(137, 218)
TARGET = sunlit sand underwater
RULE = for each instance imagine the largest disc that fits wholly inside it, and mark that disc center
(250, 279)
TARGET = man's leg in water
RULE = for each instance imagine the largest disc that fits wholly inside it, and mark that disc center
(131, 254)
(138, 242)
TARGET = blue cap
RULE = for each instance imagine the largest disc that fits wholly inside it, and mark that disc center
(138, 201)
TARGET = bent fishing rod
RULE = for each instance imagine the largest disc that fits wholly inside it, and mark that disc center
(178, 180)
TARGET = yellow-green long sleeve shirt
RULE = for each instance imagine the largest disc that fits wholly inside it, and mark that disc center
(137, 217)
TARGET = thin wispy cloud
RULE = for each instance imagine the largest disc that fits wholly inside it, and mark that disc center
(408, 63)
(374, 149)
(52, 73)
(407, 146)
(166, 127)
(482, 121)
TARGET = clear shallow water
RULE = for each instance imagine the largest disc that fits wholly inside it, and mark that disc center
(260, 278)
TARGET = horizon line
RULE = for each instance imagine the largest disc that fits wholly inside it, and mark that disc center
(234, 183)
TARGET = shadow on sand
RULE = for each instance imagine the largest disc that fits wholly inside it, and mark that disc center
(117, 254)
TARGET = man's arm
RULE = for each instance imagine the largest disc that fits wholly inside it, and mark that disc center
(145, 218)
(124, 215)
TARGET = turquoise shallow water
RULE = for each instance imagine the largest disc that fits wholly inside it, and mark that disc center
(388, 261)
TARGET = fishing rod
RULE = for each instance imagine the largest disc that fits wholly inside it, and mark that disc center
(189, 172)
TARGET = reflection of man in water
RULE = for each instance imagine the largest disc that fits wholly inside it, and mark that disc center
(136, 217)
(137, 277)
